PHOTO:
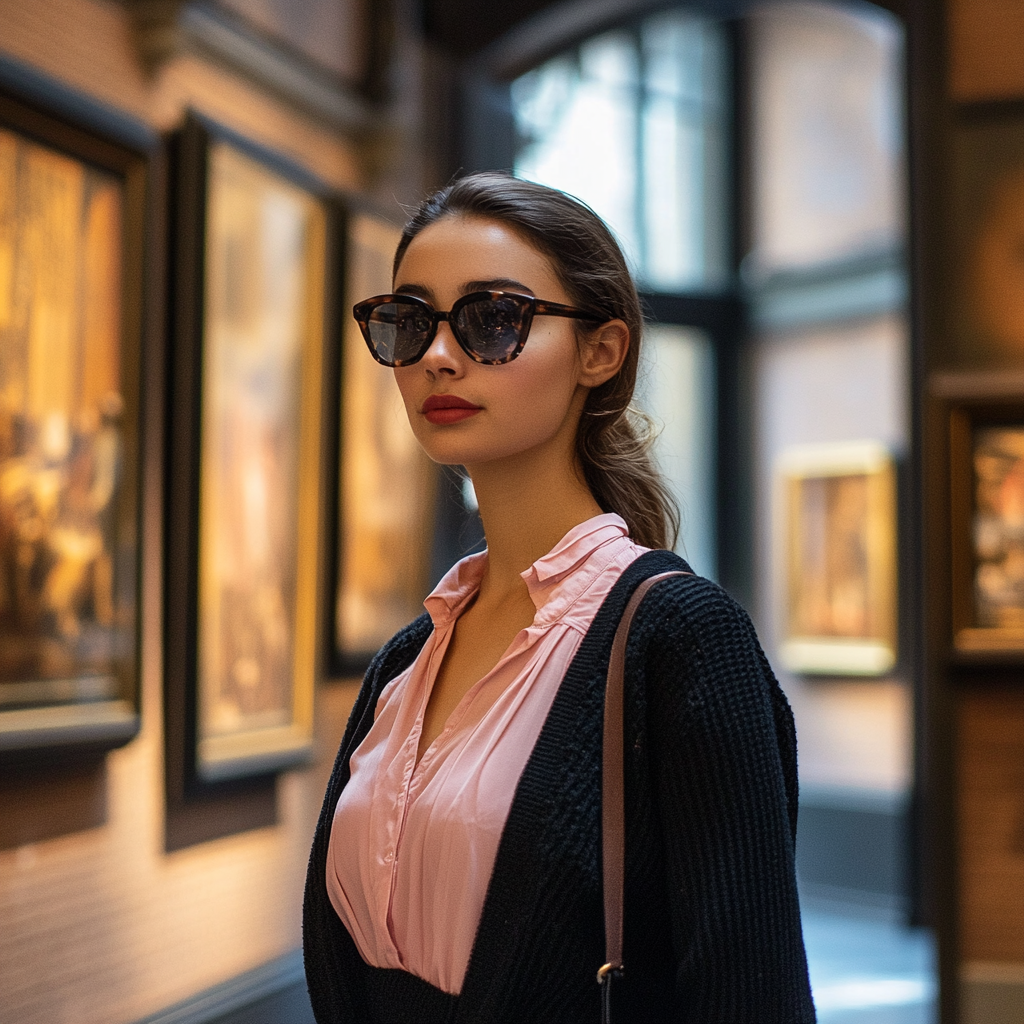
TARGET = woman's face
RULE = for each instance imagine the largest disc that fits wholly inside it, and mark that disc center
(530, 402)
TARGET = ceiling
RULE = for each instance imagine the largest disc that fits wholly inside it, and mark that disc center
(465, 27)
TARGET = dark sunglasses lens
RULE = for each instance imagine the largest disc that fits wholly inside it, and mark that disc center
(492, 327)
(398, 331)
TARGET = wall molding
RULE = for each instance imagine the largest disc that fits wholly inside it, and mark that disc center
(850, 850)
(210, 1005)
(866, 286)
(165, 29)
(992, 993)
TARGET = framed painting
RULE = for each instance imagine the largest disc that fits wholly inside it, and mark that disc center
(837, 540)
(72, 212)
(386, 494)
(253, 237)
(987, 506)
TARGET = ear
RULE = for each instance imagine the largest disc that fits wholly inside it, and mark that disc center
(603, 352)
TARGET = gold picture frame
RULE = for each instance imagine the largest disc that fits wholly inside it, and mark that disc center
(387, 487)
(837, 549)
(254, 263)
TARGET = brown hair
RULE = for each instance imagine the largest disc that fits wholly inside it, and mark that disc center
(613, 443)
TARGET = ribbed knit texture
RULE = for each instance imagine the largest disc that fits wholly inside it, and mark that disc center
(712, 927)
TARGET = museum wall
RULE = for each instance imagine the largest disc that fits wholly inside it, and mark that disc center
(100, 922)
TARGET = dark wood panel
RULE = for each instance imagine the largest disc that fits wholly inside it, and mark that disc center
(985, 49)
(991, 805)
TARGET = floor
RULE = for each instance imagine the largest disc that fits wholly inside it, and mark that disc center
(868, 971)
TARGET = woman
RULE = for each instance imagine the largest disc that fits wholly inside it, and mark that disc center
(455, 872)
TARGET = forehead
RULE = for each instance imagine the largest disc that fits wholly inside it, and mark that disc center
(458, 249)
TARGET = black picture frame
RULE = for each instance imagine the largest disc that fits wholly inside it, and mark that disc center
(380, 570)
(70, 687)
(205, 759)
(976, 416)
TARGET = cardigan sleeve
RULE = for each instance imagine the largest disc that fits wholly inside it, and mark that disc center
(723, 758)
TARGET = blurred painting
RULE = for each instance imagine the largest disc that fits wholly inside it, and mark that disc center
(998, 459)
(259, 461)
(387, 484)
(838, 533)
(67, 594)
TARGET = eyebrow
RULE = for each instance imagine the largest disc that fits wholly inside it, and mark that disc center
(419, 290)
(496, 284)
(492, 284)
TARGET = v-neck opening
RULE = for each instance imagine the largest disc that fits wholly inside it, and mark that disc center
(458, 713)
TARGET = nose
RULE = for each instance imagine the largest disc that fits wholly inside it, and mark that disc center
(445, 357)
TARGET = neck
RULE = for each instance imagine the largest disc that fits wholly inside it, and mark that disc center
(528, 503)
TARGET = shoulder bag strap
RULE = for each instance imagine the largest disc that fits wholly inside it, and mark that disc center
(613, 833)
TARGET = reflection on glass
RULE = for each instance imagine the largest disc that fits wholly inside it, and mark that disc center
(675, 387)
(633, 124)
(828, 150)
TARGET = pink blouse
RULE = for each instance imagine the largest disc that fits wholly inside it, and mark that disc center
(413, 845)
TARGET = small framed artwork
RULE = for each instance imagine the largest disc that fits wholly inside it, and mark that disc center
(72, 212)
(386, 493)
(987, 505)
(254, 258)
(837, 550)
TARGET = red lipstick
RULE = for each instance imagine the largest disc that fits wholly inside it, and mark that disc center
(445, 409)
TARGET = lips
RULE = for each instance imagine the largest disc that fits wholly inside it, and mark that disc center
(445, 409)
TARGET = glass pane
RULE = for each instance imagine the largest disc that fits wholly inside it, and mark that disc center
(676, 388)
(827, 145)
(632, 123)
(684, 128)
(577, 115)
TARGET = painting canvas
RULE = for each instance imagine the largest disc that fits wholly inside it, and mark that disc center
(67, 421)
(251, 366)
(387, 484)
(998, 537)
(838, 534)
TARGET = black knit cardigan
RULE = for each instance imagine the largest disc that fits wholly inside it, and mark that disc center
(712, 924)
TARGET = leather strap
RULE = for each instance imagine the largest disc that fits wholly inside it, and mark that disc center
(613, 830)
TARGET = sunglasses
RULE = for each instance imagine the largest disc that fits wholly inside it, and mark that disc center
(490, 327)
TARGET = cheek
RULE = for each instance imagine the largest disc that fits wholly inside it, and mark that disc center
(532, 397)
(406, 378)
(411, 387)
(526, 403)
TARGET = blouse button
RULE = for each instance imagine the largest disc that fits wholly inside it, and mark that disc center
(389, 857)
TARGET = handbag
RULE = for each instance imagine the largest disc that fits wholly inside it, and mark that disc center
(613, 829)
